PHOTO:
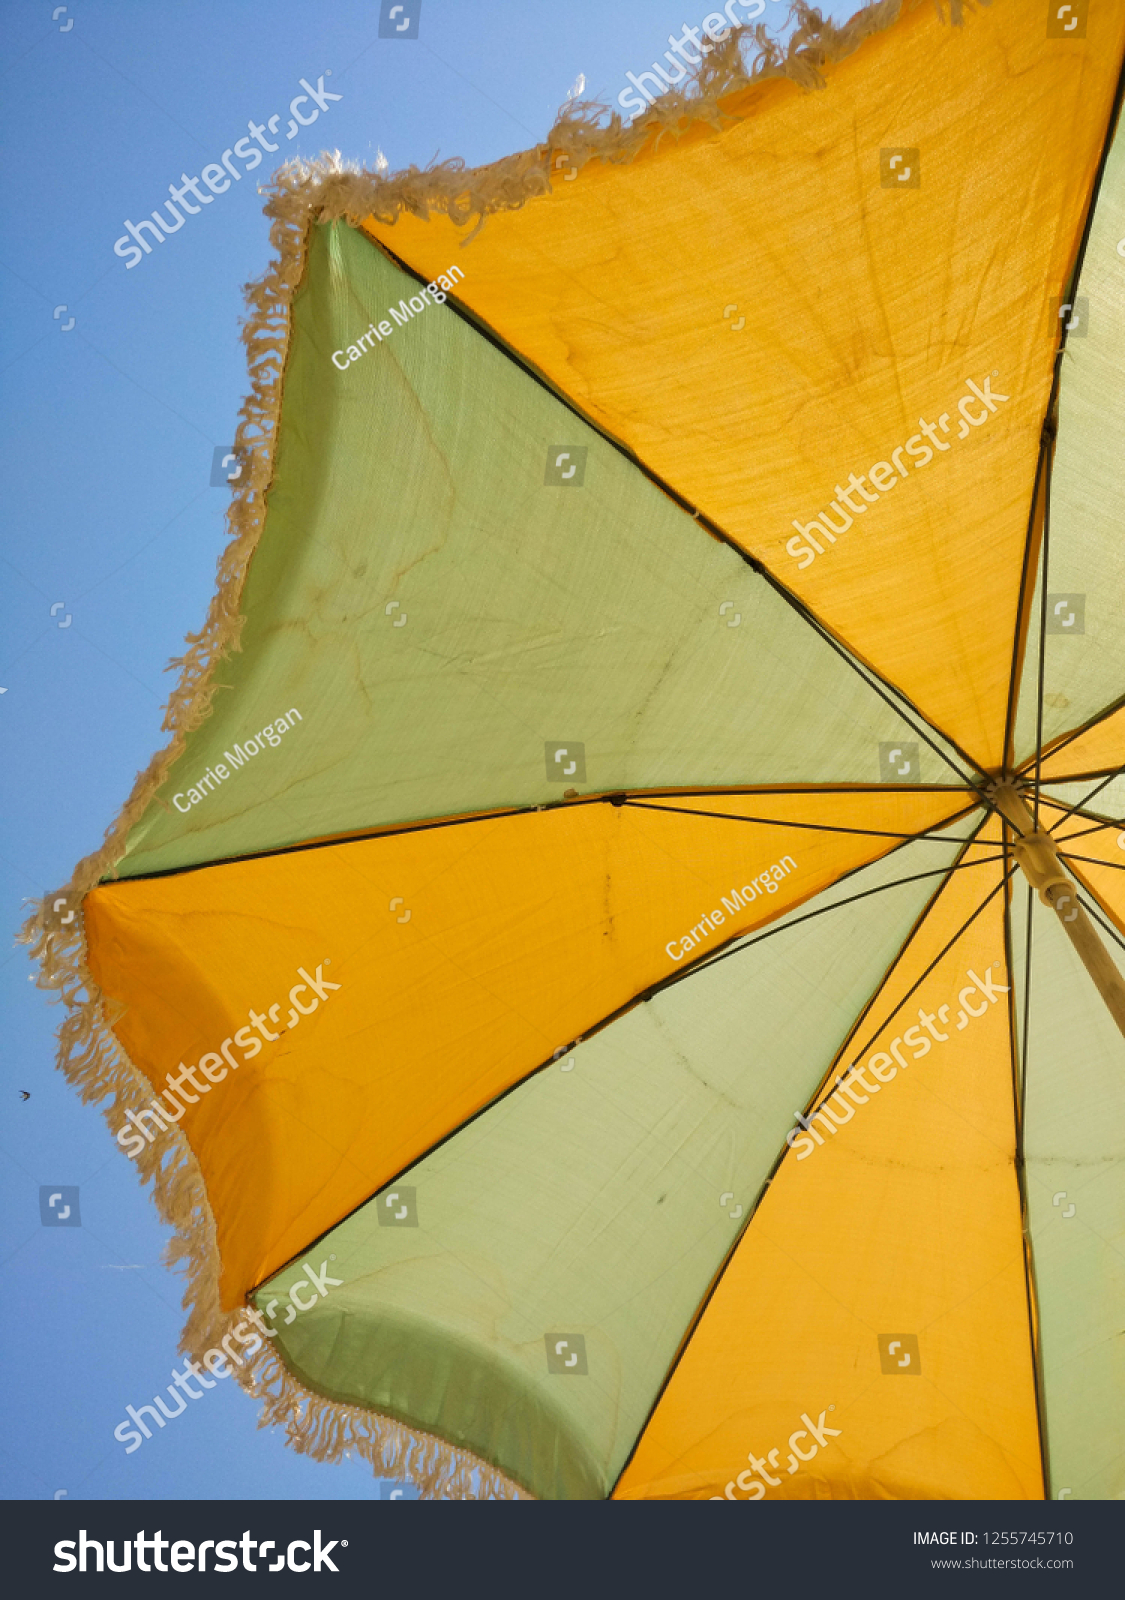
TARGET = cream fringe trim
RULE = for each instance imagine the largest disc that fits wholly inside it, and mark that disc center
(301, 194)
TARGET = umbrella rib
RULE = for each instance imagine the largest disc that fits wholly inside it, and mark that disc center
(1019, 1097)
(1026, 998)
(778, 822)
(1085, 800)
(1115, 866)
(1100, 825)
(615, 797)
(1066, 740)
(1016, 675)
(1048, 444)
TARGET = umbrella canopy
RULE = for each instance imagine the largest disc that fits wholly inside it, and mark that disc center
(621, 963)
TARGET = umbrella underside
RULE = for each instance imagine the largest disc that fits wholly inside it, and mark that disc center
(594, 1015)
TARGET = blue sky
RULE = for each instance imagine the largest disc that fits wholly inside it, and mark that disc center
(108, 557)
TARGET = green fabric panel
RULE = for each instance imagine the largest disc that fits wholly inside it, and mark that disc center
(1074, 1143)
(1085, 672)
(529, 612)
(597, 1199)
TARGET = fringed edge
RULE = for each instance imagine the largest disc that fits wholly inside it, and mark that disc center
(90, 1057)
(328, 1430)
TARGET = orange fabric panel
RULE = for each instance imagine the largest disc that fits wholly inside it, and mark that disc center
(523, 933)
(904, 1225)
(868, 308)
(1100, 749)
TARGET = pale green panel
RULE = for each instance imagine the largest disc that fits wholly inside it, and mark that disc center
(593, 1205)
(1085, 671)
(437, 613)
(1075, 1154)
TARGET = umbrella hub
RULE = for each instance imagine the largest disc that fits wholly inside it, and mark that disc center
(1034, 848)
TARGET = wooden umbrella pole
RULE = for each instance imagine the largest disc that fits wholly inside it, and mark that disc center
(1038, 855)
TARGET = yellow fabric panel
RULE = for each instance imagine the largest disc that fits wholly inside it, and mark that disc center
(523, 933)
(1100, 749)
(866, 309)
(906, 1222)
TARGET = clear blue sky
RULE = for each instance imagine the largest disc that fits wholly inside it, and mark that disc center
(108, 430)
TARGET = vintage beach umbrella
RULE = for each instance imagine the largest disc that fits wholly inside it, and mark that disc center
(625, 942)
